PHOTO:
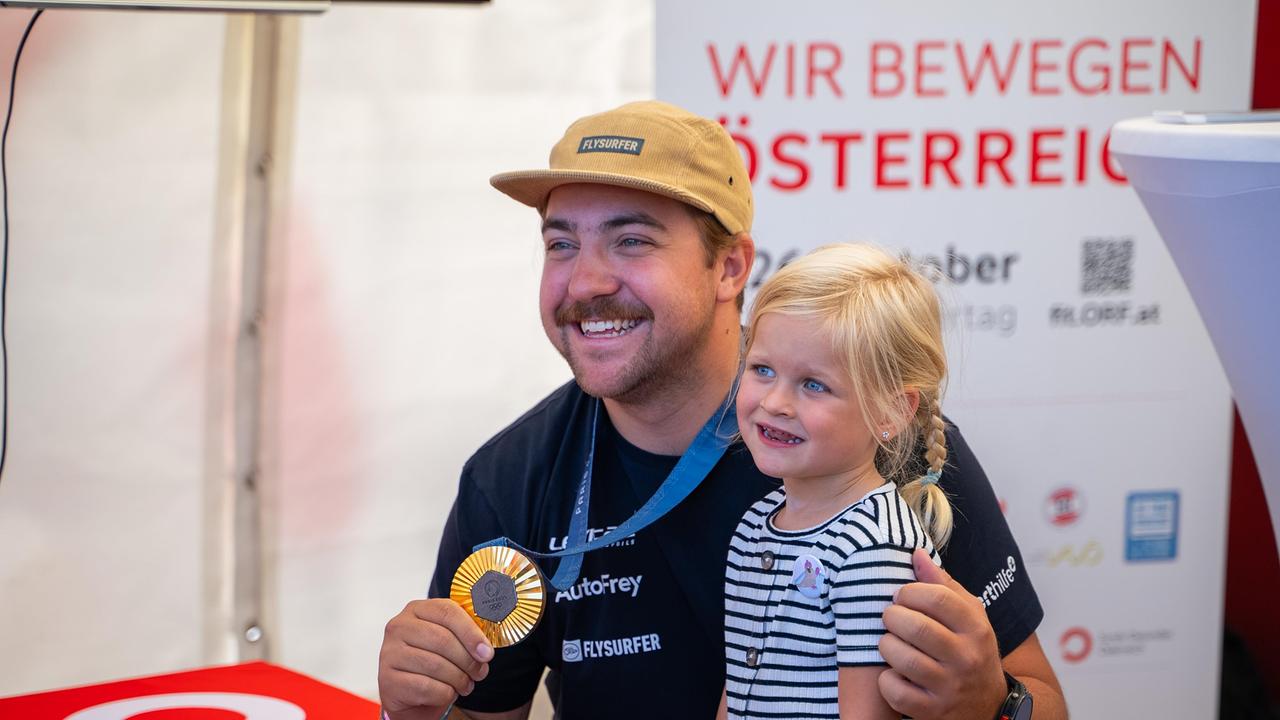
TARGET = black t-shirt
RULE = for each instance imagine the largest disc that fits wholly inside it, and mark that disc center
(641, 633)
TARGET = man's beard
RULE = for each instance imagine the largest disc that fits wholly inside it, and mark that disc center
(651, 371)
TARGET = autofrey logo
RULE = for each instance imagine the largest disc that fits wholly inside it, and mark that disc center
(572, 651)
(1151, 526)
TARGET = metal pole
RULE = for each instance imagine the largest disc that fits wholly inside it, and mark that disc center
(258, 92)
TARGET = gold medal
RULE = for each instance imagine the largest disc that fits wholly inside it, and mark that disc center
(503, 591)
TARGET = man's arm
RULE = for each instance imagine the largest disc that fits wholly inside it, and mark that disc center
(1028, 663)
(944, 660)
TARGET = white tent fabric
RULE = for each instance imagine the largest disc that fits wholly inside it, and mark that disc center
(111, 171)
(404, 317)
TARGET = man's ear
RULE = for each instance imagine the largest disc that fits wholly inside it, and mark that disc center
(735, 267)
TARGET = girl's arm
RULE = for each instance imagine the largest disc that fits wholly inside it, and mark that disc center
(723, 712)
(860, 698)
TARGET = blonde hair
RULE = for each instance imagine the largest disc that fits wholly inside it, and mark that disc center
(885, 324)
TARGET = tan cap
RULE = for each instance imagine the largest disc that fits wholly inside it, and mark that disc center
(650, 146)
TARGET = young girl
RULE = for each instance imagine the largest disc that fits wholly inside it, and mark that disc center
(843, 372)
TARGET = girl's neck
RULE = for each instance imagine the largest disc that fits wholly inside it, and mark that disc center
(814, 500)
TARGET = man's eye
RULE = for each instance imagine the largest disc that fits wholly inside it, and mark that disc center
(814, 386)
(633, 242)
(556, 245)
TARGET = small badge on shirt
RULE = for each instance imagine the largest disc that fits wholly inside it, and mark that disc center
(809, 576)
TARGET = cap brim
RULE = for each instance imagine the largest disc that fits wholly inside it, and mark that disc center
(532, 187)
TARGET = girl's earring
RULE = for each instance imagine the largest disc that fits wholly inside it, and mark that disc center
(884, 434)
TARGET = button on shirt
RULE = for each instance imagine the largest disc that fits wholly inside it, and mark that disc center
(766, 559)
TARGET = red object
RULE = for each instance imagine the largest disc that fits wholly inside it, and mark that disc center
(1266, 56)
(1253, 565)
(1076, 643)
(1064, 506)
(253, 691)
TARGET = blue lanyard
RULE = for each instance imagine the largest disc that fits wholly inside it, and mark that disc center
(693, 467)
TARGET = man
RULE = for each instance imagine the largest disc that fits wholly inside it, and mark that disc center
(647, 214)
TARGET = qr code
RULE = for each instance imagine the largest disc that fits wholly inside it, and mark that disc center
(1107, 266)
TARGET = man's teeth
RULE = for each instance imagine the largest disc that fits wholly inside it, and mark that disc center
(781, 436)
(608, 327)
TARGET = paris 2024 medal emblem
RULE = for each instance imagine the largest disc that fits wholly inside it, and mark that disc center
(503, 591)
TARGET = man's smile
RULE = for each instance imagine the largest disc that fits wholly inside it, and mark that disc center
(607, 328)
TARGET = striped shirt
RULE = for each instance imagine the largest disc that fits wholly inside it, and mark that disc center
(801, 604)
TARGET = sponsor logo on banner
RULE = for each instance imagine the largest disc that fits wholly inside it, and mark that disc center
(579, 650)
(1076, 643)
(1064, 506)
(557, 543)
(1069, 555)
(1151, 526)
(603, 585)
(1106, 271)
(1001, 583)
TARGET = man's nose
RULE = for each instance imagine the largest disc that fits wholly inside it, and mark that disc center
(592, 276)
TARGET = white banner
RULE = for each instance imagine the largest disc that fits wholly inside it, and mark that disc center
(973, 137)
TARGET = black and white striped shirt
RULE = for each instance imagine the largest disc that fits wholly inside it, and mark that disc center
(789, 628)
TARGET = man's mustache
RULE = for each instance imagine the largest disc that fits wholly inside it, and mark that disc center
(606, 308)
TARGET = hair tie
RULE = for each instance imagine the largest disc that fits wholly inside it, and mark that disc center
(931, 478)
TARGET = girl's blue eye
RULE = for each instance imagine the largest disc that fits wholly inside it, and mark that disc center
(814, 386)
(763, 371)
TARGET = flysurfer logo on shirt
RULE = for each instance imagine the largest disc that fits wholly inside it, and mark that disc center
(1001, 584)
(611, 144)
(572, 651)
(579, 650)
(604, 585)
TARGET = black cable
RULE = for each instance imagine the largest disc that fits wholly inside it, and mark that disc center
(4, 251)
